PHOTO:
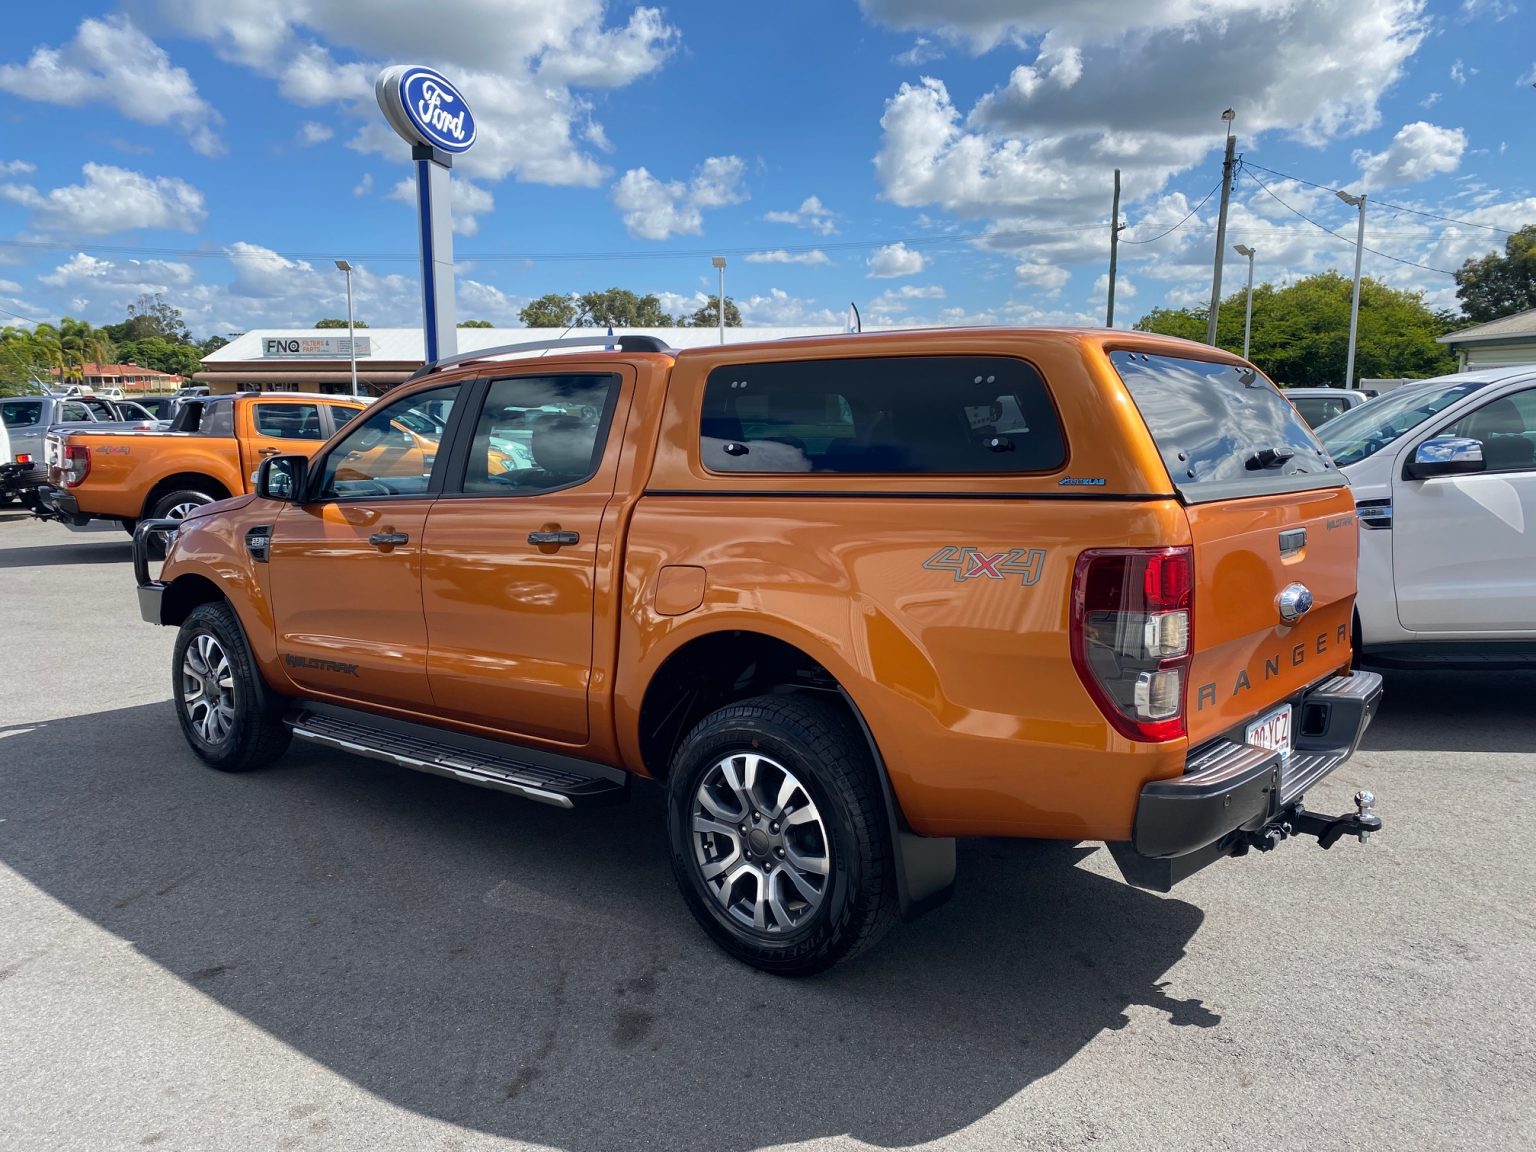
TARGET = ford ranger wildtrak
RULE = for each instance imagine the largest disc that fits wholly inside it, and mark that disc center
(846, 598)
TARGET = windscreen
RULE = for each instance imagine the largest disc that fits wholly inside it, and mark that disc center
(1360, 434)
(1223, 430)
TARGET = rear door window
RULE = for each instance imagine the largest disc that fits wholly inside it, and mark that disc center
(913, 415)
(288, 421)
(21, 413)
(1223, 430)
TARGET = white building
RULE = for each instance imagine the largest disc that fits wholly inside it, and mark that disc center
(316, 359)
(1496, 344)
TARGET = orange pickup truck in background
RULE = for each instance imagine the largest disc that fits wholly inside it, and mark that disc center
(209, 454)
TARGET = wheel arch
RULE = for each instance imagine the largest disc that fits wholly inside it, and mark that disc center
(185, 593)
(198, 481)
(713, 669)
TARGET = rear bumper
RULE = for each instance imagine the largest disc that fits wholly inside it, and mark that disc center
(1230, 791)
(57, 504)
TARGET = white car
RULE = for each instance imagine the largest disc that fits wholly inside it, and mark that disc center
(1444, 473)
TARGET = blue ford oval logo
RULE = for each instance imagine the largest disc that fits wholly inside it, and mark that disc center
(1295, 602)
(435, 112)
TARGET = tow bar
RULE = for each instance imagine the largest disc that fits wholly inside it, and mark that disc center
(1297, 821)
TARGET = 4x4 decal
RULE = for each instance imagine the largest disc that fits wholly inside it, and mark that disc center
(970, 563)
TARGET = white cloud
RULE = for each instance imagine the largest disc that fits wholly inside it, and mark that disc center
(1430, 101)
(518, 62)
(312, 133)
(1497, 9)
(1460, 72)
(779, 308)
(112, 200)
(923, 51)
(781, 256)
(16, 168)
(895, 302)
(111, 62)
(1528, 80)
(469, 201)
(1049, 278)
(895, 260)
(137, 276)
(1418, 152)
(656, 210)
(1124, 289)
(364, 186)
(811, 214)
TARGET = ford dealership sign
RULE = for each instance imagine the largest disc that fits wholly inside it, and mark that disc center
(425, 108)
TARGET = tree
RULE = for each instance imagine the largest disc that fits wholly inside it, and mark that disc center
(212, 344)
(709, 315)
(476, 324)
(26, 361)
(551, 311)
(1492, 286)
(148, 316)
(619, 307)
(1301, 333)
(332, 322)
(163, 355)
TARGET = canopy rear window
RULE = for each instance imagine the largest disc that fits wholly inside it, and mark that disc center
(1223, 430)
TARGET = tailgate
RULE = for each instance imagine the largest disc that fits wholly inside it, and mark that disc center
(1248, 553)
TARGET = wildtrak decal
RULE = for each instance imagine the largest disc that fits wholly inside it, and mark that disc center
(322, 665)
(1298, 655)
(972, 563)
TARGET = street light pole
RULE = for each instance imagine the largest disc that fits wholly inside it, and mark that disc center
(719, 263)
(351, 330)
(1354, 304)
(1221, 229)
(1244, 250)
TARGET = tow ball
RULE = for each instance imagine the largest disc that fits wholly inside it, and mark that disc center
(1297, 821)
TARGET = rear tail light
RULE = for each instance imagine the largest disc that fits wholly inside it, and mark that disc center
(1132, 617)
(24, 458)
(75, 465)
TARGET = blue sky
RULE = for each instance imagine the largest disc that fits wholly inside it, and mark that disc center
(935, 161)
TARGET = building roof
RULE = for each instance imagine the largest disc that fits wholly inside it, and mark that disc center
(121, 370)
(1520, 326)
(408, 345)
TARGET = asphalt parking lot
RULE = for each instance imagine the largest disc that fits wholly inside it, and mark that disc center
(333, 953)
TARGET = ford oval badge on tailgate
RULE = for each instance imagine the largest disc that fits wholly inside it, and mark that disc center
(1295, 602)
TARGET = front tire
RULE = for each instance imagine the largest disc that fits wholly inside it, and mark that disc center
(779, 836)
(229, 716)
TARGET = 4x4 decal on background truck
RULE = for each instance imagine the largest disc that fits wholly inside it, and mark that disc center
(969, 563)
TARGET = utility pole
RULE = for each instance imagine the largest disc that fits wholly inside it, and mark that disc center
(1114, 251)
(1221, 229)
(1354, 305)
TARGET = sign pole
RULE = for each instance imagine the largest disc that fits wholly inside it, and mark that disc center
(434, 210)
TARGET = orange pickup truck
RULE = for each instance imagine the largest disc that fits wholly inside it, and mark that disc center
(845, 598)
(209, 454)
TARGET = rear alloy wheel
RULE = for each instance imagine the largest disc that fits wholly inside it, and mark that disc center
(779, 836)
(229, 716)
(176, 505)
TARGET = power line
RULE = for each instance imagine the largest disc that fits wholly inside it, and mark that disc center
(1383, 203)
(19, 316)
(1181, 223)
(1346, 239)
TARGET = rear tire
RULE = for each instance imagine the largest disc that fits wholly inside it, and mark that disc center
(173, 506)
(231, 719)
(779, 836)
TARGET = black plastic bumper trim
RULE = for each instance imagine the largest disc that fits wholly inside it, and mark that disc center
(1229, 787)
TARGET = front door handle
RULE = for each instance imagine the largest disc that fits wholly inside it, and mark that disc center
(558, 539)
(388, 539)
(269, 452)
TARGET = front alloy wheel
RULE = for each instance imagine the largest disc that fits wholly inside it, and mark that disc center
(760, 843)
(208, 688)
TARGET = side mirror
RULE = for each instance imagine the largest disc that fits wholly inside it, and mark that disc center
(1445, 456)
(282, 478)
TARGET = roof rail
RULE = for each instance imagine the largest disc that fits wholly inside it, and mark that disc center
(625, 344)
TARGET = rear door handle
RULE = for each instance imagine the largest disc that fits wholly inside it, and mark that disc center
(558, 539)
(388, 539)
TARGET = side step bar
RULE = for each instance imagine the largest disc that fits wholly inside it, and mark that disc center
(563, 781)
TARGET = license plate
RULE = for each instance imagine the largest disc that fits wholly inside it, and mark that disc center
(1272, 731)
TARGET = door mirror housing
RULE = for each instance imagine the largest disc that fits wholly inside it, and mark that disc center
(1445, 456)
(282, 478)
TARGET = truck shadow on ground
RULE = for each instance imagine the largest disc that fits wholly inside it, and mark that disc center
(533, 973)
(48, 555)
(1455, 712)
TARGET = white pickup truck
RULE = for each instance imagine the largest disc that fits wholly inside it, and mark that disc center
(1444, 474)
